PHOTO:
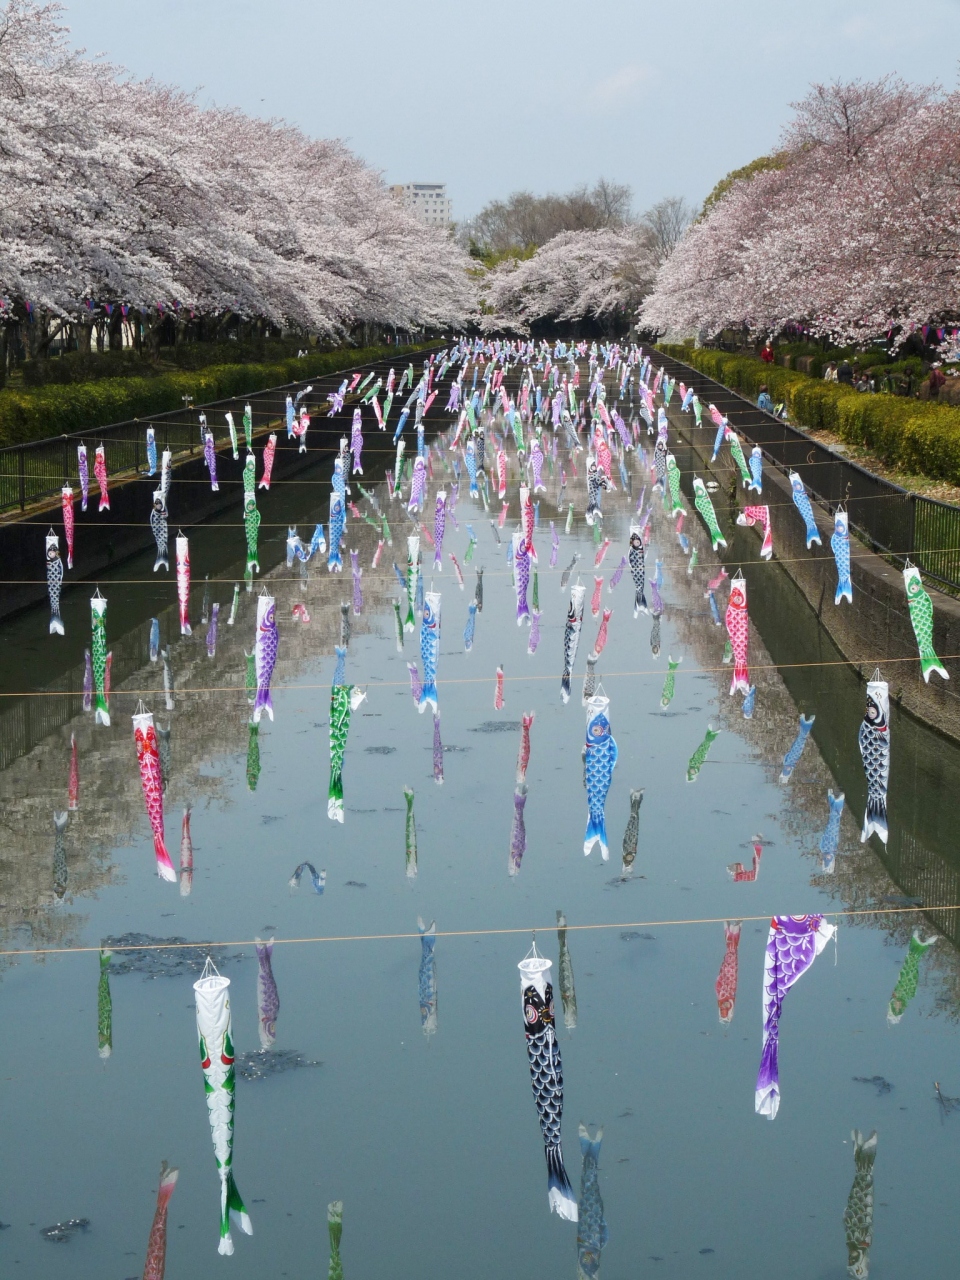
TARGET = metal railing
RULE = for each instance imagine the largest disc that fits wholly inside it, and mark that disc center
(37, 470)
(892, 520)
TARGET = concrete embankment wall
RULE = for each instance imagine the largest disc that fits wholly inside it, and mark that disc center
(875, 631)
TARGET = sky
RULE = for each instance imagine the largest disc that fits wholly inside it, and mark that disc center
(539, 95)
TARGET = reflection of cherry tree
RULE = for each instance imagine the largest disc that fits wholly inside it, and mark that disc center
(853, 229)
(119, 191)
(575, 275)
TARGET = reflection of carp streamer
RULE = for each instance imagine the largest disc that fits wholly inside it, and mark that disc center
(858, 1215)
(909, 978)
(592, 1233)
(427, 978)
(568, 993)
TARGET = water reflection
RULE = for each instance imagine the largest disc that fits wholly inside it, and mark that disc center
(909, 978)
(427, 977)
(568, 994)
(858, 1215)
(592, 1233)
(186, 855)
(60, 819)
(157, 1246)
(335, 1230)
(410, 835)
(317, 878)
(104, 1006)
(728, 976)
(268, 998)
(830, 840)
(212, 731)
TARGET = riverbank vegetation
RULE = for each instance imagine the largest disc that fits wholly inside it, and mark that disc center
(132, 218)
(920, 437)
(36, 413)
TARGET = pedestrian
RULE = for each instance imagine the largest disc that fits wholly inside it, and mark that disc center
(764, 401)
(845, 373)
(766, 355)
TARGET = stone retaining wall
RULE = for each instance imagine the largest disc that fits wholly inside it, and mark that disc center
(874, 631)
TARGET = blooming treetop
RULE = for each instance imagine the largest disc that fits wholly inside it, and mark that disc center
(114, 190)
(857, 231)
(576, 274)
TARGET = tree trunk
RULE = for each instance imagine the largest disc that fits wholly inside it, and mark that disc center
(84, 332)
(32, 327)
(116, 330)
(151, 335)
(50, 335)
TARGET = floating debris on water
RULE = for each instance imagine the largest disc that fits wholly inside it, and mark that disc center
(163, 957)
(881, 1085)
(63, 1232)
(498, 726)
(261, 1063)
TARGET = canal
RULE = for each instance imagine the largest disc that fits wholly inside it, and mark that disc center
(425, 1128)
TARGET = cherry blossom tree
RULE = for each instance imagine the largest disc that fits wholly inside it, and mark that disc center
(577, 274)
(115, 191)
(855, 232)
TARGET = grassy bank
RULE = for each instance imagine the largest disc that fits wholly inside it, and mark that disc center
(38, 412)
(916, 435)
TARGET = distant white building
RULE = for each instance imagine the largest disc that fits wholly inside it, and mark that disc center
(427, 201)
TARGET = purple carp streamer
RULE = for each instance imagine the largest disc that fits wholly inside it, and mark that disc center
(794, 942)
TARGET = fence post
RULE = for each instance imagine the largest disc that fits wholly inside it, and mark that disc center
(66, 460)
(23, 480)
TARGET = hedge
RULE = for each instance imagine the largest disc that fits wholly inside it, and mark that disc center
(83, 406)
(915, 434)
(74, 366)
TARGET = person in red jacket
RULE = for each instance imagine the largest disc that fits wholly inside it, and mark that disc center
(766, 355)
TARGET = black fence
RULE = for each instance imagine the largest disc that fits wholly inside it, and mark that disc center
(891, 520)
(34, 472)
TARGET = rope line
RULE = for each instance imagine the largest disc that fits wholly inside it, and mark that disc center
(846, 914)
(401, 531)
(393, 684)
(326, 451)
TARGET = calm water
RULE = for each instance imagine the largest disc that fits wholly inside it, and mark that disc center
(432, 1143)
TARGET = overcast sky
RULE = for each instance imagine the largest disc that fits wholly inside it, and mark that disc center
(538, 94)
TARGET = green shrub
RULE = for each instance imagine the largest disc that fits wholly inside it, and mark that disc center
(915, 434)
(74, 367)
(85, 406)
(195, 355)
